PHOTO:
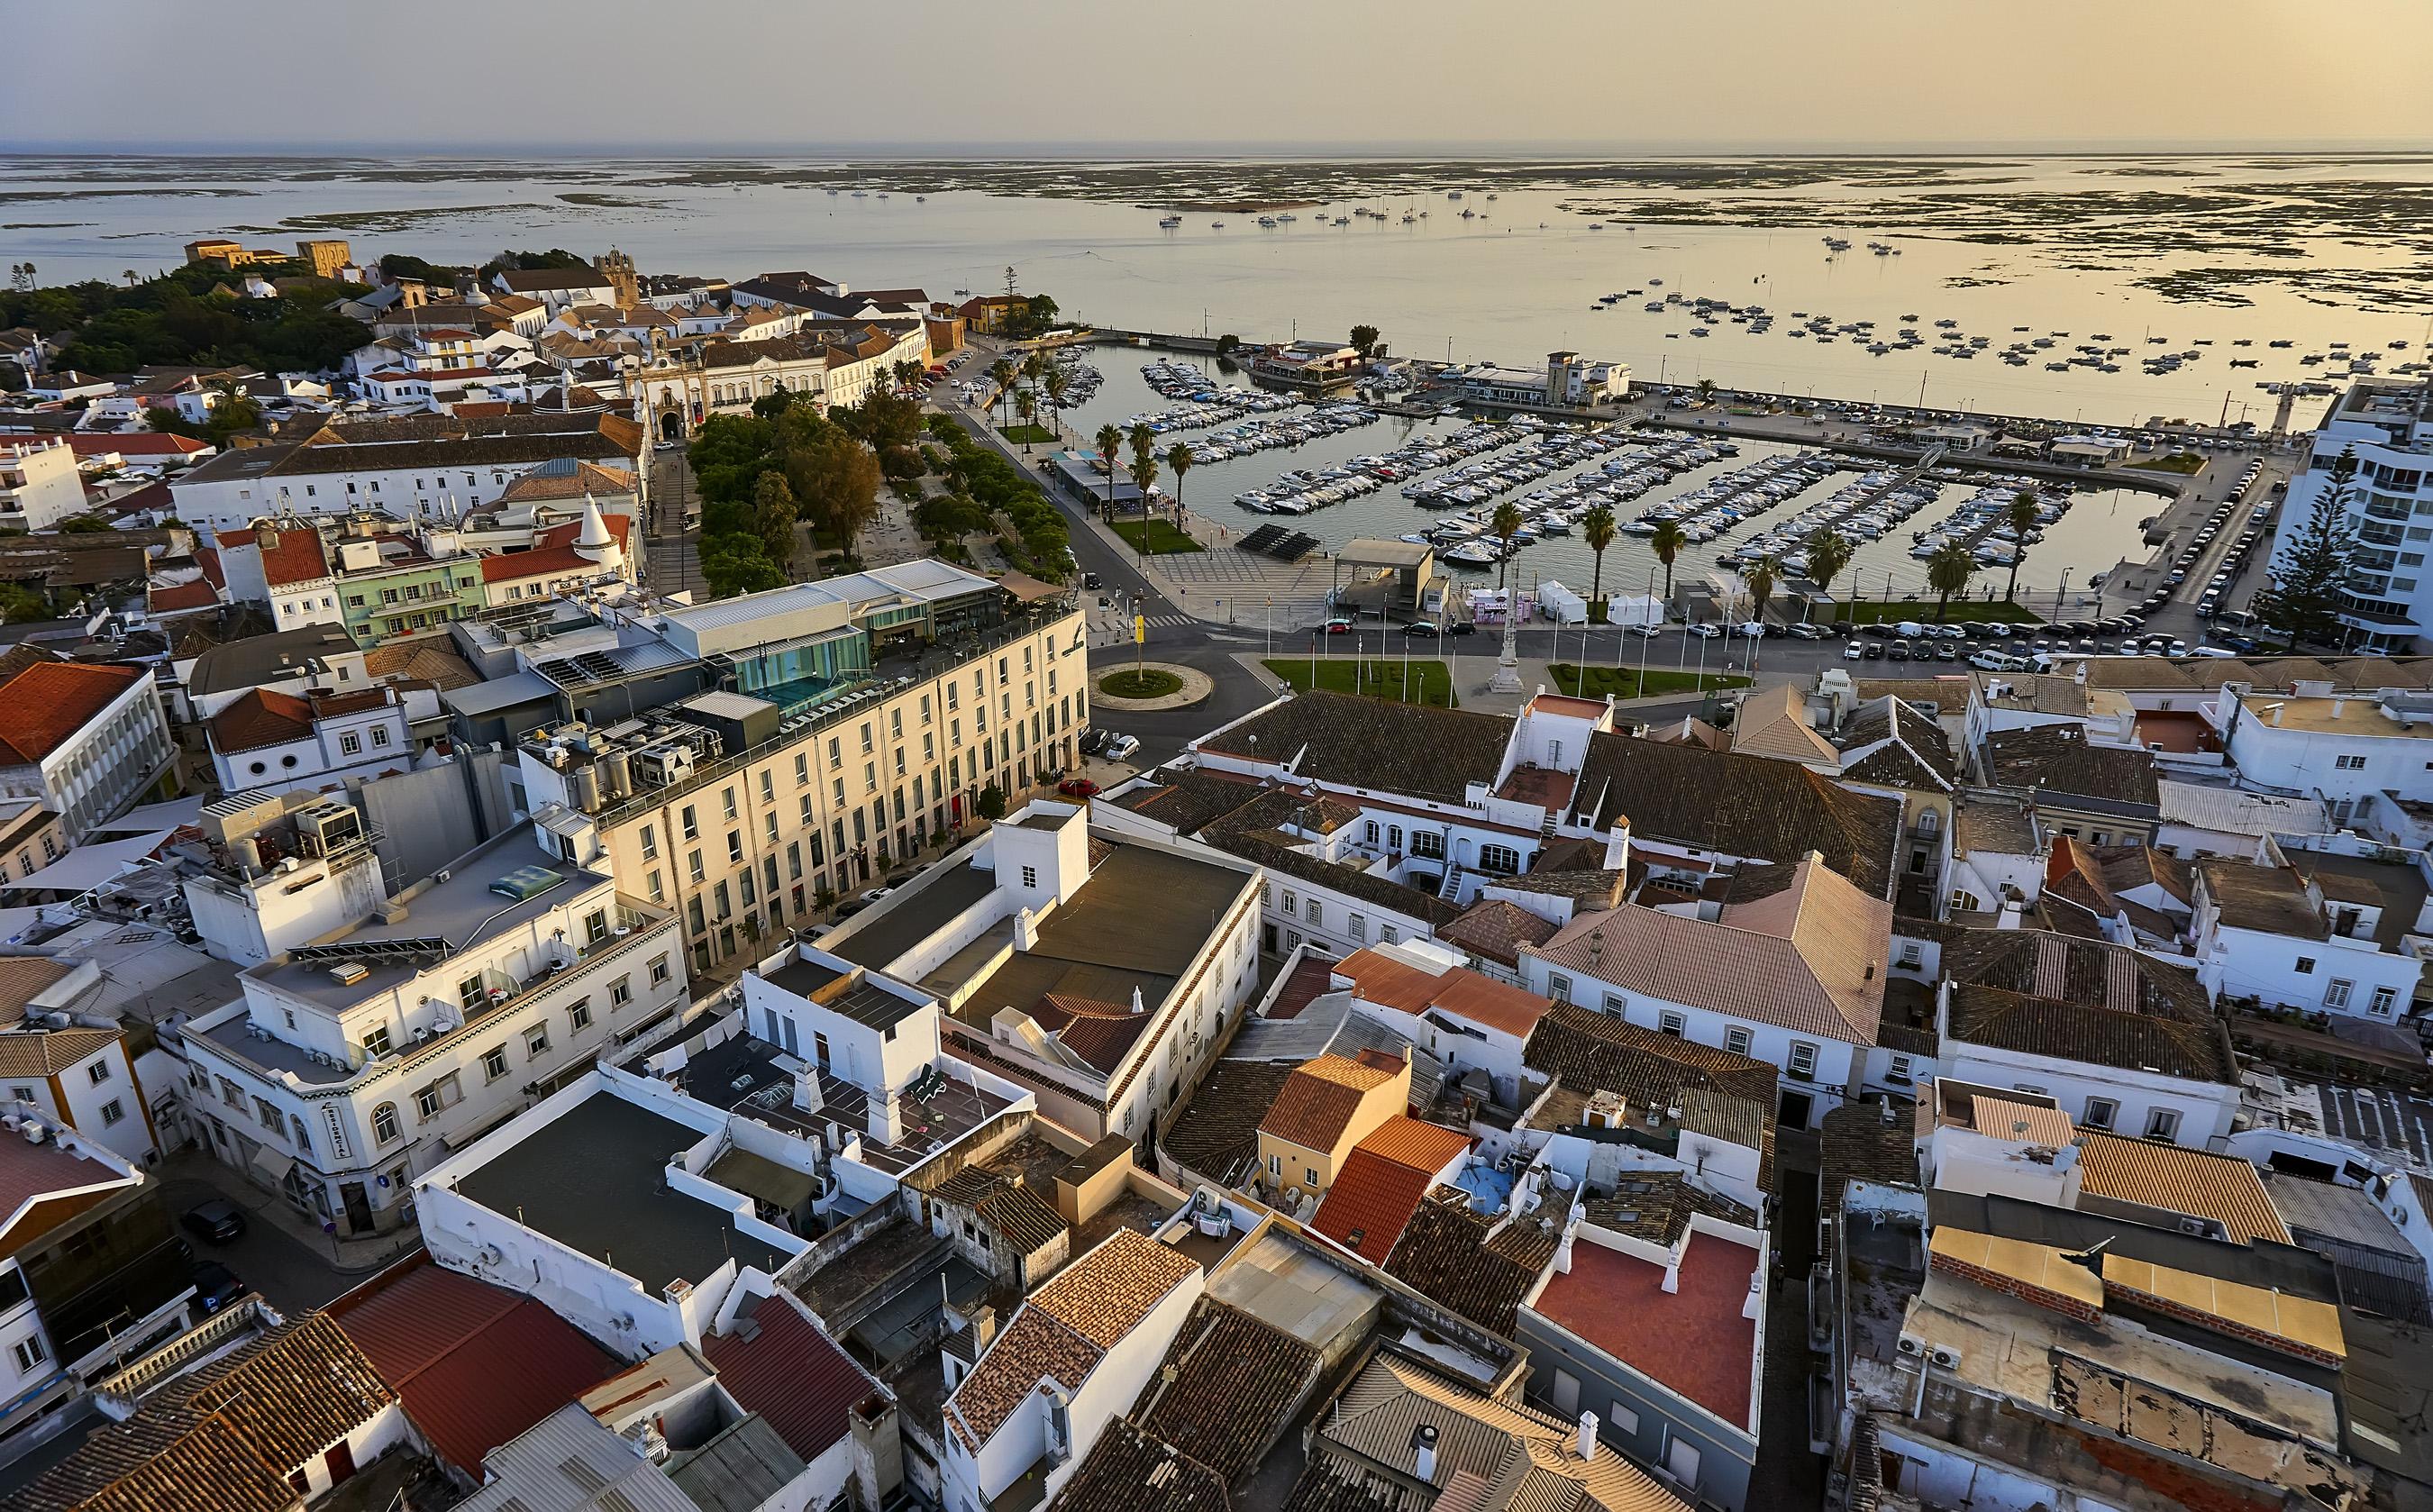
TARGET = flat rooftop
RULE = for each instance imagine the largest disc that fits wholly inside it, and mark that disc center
(1138, 922)
(878, 940)
(2358, 714)
(461, 912)
(729, 1076)
(1292, 1287)
(1692, 1341)
(865, 1002)
(592, 1180)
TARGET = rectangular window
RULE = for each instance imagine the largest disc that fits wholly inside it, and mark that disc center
(2163, 1123)
(649, 841)
(350, 743)
(1624, 1421)
(2101, 1113)
(30, 1351)
(1803, 1060)
(380, 736)
(2306, 965)
(621, 992)
(726, 800)
(580, 1015)
(691, 823)
(535, 1042)
(2384, 998)
(2337, 994)
(1558, 987)
(693, 866)
(97, 1072)
(1673, 1023)
(1737, 1040)
(1030, 876)
(112, 1112)
(658, 969)
(2348, 763)
(494, 1062)
(376, 1043)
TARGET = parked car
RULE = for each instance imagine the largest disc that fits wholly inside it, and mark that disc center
(1338, 625)
(874, 895)
(1462, 627)
(1751, 629)
(1704, 630)
(217, 1221)
(1078, 788)
(1094, 740)
(1089, 580)
(1121, 747)
(215, 1286)
(1804, 632)
(1643, 632)
(1854, 652)
(1425, 629)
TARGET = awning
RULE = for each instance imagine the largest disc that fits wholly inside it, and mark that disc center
(273, 1165)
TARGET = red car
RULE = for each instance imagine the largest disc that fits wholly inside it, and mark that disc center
(1078, 788)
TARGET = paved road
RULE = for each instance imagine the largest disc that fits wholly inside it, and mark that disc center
(291, 1276)
(675, 552)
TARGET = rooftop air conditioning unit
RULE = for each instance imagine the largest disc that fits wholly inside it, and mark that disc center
(1946, 1356)
(1911, 1344)
(350, 973)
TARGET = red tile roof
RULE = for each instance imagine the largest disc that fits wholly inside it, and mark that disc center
(260, 717)
(42, 705)
(1692, 1341)
(1381, 1185)
(208, 558)
(198, 594)
(134, 444)
(1458, 992)
(1309, 981)
(789, 1372)
(27, 1172)
(476, 1365)
(295, 556)
(547, 561)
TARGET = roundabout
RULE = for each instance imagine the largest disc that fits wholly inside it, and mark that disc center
(1151, 686)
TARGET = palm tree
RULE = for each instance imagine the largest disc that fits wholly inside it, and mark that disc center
(1056, 385)
(2022, 519)
(1001, 373)
(128, 274)
(1948, 572)
(1144, 442)
(1178, 462)
(1596, 528)
(1667, 543)
(1026, 405)
(1828, 554)
(1506, 524)
(1033, 363)
(1110, 441)
(1760, 580)
(1144, 471)
(1706, 391)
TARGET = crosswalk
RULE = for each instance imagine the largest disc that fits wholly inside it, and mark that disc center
(1168, 621)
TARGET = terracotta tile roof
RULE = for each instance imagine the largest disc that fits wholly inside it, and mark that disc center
(1508, 1457)
(2042, 964)
(1366, 743)
(1318, 1099)
(1496, 928)
(1741, 805)
(1130, 1469)
(1479, 1265)
(46, 703)
(226, 1436)
(1656, 1206)
(1218, 1132)
(2222, 1187)
(1101, 1033)
(48, 1052)
(1894, 743)
(1381, 1183)
(1104, 1295)
(2192, 1050)
(29, 1173)
(1859, 1144)
(295, 556)
(1457, 993)
(1065, 1329)
(477, 1365)
(260, 717)
(1773, 721)
(2059, 762)
(790, 1372)
(1312, 977)
(22, 978)
(1809, 958)
(1237, 1383)
(1592, 1052)
(2268, 899)
(545, 561)
(421, 661)
(179, 596)
(547, 482)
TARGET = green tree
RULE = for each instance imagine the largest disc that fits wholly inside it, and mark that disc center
(1055, 386)
(1026, 403)
(991, 804)
(837, 477)
(1144, 475)
(1667, 543)
(1226, 343)
(1110, 441)
(2022, 517)
(734, 563)
(1948, 572)
(1706, 391)
(2304, 587)
(1364, 341)
(1829, 553)
(1178, 462)
(1001, 373)
(1596, 529)
(1033, 363)
(1504, 523)
(1144, 443)
(730, 452)
(1761, 579)
(774, 511)
(948, 517)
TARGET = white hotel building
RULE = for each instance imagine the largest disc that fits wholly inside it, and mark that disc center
(2388, 427)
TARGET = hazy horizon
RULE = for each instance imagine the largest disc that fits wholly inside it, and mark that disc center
(1267, 77)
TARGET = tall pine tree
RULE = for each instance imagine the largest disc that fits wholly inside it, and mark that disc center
(2302, 599)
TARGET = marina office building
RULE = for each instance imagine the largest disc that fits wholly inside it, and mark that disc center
(851, 722)
(2388, 427)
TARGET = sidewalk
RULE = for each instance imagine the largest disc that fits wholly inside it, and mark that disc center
(1473, 672)
(349, 1257)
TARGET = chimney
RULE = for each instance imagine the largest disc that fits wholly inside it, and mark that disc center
(1141, 1006)
(1026, 932)
(1424, 1447)
(1587, 1436)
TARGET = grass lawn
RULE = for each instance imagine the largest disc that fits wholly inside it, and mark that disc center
(1148, 682)
(1027, 435)
(1430, 682)
(1872, 611)
(1164, 539)
(1623, 682)
(2175, 462)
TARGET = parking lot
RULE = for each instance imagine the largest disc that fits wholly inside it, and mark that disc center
(2398, 1122)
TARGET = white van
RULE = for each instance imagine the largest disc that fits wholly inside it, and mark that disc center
(1910, 630)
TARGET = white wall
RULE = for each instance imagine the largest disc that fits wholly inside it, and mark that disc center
(2303, 972)
(2205, 1110)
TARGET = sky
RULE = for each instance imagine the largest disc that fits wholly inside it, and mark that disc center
(989, 75)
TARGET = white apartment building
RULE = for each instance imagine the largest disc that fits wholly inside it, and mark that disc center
(78, 1076)
(87, 740)
(2293, 940)
(2338, 748)
(355, 1063)
(863, 717)
(38, 484)
(2387, 427)
(2144, 1076)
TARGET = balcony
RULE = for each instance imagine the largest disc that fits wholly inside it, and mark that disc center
(2376, 509)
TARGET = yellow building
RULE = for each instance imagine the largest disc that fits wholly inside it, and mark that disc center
(1327, 1106)
(327, 255)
